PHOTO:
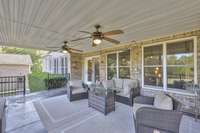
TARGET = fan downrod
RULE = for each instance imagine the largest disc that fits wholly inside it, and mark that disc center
(97, 26)
(65, 42)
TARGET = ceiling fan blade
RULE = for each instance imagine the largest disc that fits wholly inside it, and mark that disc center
(85, 32)
(77, 50)
(52, 47)
(113, 32)
(111, 40)
(82, 38)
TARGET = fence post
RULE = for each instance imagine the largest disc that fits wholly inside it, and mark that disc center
(48, 81)
(24, 85)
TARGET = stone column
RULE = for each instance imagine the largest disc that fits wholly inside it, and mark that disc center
(76, 66)
(102, 67)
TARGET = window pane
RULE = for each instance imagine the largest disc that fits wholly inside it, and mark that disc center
(124, 58)
(180, 64)
(111, 72)
(112, 59)
(153, 55)
(124, 72)
(153, 76)
(178, 77)
(96, 70)
(180, 53)
(89, 70)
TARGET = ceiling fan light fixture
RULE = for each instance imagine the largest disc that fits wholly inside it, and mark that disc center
(97, 41)
(64, 51)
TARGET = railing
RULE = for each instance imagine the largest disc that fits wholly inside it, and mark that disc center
(56, 80)
(12, 85)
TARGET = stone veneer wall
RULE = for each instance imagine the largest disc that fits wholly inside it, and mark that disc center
(136, 63)
(76, 66)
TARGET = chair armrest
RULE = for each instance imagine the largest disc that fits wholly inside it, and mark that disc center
(134, 92)
(85, 86)
(2, 107)
(69, 89)
(144, 100)
(164, 120)
(176, 104)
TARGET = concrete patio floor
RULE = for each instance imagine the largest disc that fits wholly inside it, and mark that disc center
(23, 118)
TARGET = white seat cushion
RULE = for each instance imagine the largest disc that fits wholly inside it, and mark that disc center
(76, 83)
(137, 106)
(78, 90)
(122, 94)
(162, 101)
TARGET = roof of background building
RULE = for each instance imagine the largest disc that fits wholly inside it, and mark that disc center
(15, 59)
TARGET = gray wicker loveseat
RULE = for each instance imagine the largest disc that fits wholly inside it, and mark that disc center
(77, 90)
(159, 114)
(126, 89)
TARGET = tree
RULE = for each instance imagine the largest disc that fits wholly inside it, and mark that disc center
(35, 56)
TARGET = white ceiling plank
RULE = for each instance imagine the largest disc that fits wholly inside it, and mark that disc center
(42, 23)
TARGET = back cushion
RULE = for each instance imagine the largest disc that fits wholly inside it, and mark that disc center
(108, 84)
(118, 83)
(163, 102)
(76, 83)
(130, 83)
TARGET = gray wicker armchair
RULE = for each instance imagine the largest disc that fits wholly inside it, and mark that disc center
(77, 90)
(2, 115)
(149, 119)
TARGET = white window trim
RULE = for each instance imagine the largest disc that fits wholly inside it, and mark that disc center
(164, 88)
(85, 71)
(117, 64)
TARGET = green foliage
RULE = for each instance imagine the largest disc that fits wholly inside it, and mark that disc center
(37, 81)
(35, 56)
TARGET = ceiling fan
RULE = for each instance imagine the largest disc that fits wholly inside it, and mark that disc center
(65, 48)
(98, 36)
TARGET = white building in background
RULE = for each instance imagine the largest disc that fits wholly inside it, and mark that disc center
(56, 63)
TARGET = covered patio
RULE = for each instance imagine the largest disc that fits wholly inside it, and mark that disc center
(23, 118)
(152, 44)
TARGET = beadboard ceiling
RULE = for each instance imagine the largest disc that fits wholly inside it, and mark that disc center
(43, 23)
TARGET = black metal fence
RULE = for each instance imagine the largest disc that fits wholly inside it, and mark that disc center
(12, 85)
(56, 80)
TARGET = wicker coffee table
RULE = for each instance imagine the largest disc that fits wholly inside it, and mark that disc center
(102, 100)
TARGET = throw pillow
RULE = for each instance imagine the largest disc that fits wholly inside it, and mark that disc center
(127, 90)
(162, 101)
(118, 83)
(108, 84)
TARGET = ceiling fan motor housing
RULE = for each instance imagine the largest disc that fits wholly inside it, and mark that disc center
(97, 35)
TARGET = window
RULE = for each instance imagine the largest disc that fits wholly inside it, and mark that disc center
(180, 64)
(66, 65)
(96, 71)
(89, 70)
(174, 62)
(55, 65)
(124, 64)
(111, 66)
(118, 65)
(62, 65)
(153, 58)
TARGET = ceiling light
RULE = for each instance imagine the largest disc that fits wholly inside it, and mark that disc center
(97, 41)
(64, 51)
